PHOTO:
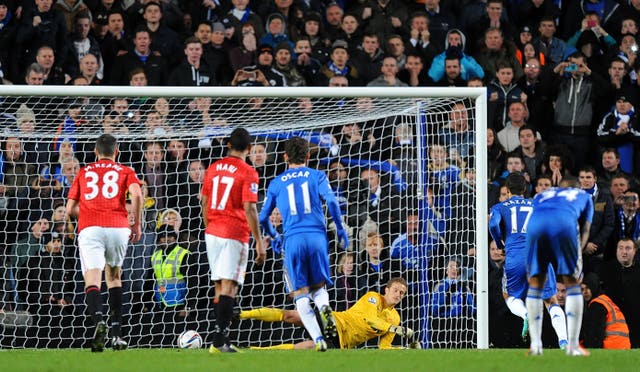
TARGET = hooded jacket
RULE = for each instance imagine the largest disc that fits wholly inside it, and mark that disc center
(469, 68)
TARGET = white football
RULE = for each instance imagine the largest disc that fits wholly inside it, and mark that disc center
(189, 340)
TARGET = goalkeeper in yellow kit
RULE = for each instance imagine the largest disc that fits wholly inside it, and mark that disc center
(374, 315)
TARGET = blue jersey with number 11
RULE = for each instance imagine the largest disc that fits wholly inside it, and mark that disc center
(299, 193)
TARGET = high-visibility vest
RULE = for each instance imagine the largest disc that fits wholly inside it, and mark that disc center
(616, 333)
(171, 287)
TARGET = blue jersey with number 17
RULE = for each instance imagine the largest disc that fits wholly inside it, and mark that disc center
(299, 193)
(508, 224)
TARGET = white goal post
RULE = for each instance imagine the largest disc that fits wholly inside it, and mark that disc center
(388, 134)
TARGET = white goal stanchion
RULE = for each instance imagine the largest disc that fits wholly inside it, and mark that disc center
(408, 166)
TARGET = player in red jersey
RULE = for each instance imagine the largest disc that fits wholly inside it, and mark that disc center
(229, 196)
(97, 199)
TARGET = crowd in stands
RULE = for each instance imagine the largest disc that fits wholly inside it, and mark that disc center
(562, 85)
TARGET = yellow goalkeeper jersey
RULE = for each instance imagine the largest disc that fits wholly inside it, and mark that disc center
(367, 319)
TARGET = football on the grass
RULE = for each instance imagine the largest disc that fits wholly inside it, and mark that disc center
(189, 340)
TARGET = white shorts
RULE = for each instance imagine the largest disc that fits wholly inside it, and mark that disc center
(227, 258)
(102, 245)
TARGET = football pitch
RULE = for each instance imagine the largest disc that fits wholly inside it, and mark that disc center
(156, 360)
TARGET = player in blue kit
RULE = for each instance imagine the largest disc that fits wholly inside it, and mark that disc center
(508, 227)
(557, 232)
(298, 193)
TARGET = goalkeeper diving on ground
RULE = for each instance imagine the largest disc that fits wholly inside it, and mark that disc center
(374, 315)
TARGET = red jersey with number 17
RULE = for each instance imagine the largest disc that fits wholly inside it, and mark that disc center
(101, 189)
(229, 183)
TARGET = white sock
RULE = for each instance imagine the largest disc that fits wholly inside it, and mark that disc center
(534, 308)
(517, 307)
(320, 297)
(558, 321)
(308, 317)
(573, 307)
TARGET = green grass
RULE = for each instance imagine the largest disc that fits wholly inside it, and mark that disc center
(157, 360)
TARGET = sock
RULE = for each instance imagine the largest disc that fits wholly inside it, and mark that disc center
(558, 321)
(266, 314)
(94, 303)
(573, 307)
(224, 312)
(275, 347)
(308, 317)
(115, 310)
(534, 308)
(517, 307)
(320, 298)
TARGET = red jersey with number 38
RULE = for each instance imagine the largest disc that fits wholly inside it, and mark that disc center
(229, 183)
(101, 189)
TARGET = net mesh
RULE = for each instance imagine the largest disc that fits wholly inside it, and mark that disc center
(402, 172)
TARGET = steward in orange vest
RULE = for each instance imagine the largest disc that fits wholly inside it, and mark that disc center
(604, 325)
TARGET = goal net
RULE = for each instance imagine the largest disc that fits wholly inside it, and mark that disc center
(408, 167)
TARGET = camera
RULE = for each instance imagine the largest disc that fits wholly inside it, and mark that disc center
(572, 67)
(634, 48)
(628, 198)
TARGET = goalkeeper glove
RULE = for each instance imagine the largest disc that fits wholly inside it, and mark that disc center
(402, 331)
(277, 244)
(343, 238)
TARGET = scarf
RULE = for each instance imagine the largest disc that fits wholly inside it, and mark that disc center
(623, 221)
(337, 70)
(242, 15)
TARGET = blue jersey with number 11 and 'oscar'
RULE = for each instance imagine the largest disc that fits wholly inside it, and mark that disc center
(553, 234)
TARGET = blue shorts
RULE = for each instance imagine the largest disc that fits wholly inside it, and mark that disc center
(515, 282)
(306, 260)
(553, 238)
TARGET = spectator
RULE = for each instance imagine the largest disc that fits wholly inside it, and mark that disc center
(114, 42)
(574, 107)
(456, 135)
(239, 15)
(619, 186)
(495, 154)
(333, 17)
(594, 50)
(82, 43)
(28, 247)
(627, 221)
(621, 282)
(547, 43)
(276, 31)
(495, 17)
(539, 102)
(141, 56)
(509, 136)
(389, 77)
(346, 289)
(351, 32)
(41, 25)
(49, 300)
(194, 209)
(469, 68)
(611, 168)
(153, 172)
(532, 150)
(452, 68)
(307, 65)
(497, 51)
(313, 29)
(395, 48)
(527, 51)
(381, 203)
(441, 177)
(607, 10)
(419, 42)
(604, 325)
(16, 178)
(514, 163)
(261, 74)
(215, 50)
(8, 58)
(70, 10)
(194, 71)
(163, 39)
(502, 91)
(53, 75)
(557, 165)
(440, 22)
(283, 64)
(339, 64)
(414, 74)
(620, 129)
(245, 53)
(385, 17)
(451, 305)
(603, 219)
(89, 67)
(368, 57)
